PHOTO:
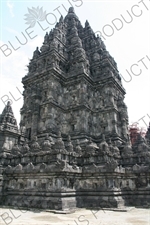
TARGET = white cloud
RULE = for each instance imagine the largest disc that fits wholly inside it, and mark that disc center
(10, 5)
(12, 31)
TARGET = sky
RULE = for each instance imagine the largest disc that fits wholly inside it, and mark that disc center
(123, 25)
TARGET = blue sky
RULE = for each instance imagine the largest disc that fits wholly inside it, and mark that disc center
(128, 45)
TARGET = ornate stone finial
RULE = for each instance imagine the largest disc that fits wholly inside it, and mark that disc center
(36, 53)
(8, 103)
(71, 15)
(7, 109)
(69, 145)
(87, 24)
(71, 10)
(18, 167)
(46, 38)
(61, 19)
(46, 144)
(30, 166)
(91, 147)
(35, 147)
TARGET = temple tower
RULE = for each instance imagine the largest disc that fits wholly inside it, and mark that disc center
(9, 132)
(73, 86)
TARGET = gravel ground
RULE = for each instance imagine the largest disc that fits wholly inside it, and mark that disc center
(131, 216)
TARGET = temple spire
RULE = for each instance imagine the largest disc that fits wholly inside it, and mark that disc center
(7, 119)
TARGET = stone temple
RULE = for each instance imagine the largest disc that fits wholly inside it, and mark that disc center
(73, 146)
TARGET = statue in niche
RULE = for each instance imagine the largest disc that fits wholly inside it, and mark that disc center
(13, 121)
(59, 144)
(25, 147)
(69, 145)
(74, 99)
(16, 150)
(74, 32)
(35, 147)
(104, 148)
(127, 151)
(110, 94)
(54, 44)
(91, 147)
(93, 42)
(80, 54)
(115, 151)
(124, 128)
(46, 146)
(96, 57)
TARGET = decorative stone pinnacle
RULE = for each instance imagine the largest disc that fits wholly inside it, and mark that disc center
(71, 10)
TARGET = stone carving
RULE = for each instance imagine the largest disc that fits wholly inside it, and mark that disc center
(8, 108)
(35, 147)
(16, 150)
(111, 164)
(25, 148)
(91, 147)
(115, 151)
(127, 151)
(36, 53)
(104, 147)
(59, 144)
(73, 86)
(18, 167)
(69, 145)
(30, 167)
(46, 146)
(8, 169)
